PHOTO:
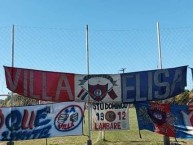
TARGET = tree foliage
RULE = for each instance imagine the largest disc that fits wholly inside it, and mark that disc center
(18, 100)
(184, 98)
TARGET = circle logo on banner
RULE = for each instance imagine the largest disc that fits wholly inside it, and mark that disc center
(110, 116)
(68, 118)
(98, 87)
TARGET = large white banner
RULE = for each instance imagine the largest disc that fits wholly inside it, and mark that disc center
(110, 116)
(41, 121)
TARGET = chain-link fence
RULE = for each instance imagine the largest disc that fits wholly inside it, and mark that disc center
(64, 50)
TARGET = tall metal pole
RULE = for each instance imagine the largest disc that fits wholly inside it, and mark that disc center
(89, 141)
(12, 64)
(12, 58)
(159, 47)
(165, 138)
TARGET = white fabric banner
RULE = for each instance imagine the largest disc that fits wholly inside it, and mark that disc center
(110, 116)
(41, 121)
(100, 88)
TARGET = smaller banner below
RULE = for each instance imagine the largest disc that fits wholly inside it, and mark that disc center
(98, 88)
(155, 117)
(110, 116)
(169, 120)
(153, 85)
(41, 121)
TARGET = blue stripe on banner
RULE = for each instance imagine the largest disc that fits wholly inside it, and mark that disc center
(84, 95)
(153, 85)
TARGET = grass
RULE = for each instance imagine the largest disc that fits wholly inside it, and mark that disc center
(124, 137)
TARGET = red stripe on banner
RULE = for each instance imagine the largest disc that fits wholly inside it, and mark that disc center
(190, 108)
(32, 118)
(24, 121)
(80, 93)
(112, 94)
(41, 85)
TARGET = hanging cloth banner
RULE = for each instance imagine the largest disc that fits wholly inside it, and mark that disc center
(41, 121)
(98, 88)
(155, 117)
(153, 85)
(169, 120)
(128, 87)
(40, 85)
(110, 116)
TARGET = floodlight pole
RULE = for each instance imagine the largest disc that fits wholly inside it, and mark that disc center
(165, 138)
(89, 141)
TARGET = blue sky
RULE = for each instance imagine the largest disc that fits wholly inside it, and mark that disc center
(104, 16)
(100, 14)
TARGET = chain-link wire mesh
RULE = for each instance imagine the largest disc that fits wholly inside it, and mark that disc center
(5, 55)
(64, 50)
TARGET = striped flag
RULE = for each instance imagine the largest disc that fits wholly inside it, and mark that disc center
(82, 94)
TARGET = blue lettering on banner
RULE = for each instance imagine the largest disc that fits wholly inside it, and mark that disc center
(25, 135)
(153, 85)
(42, 114)
(22, 126)
(15, 118)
